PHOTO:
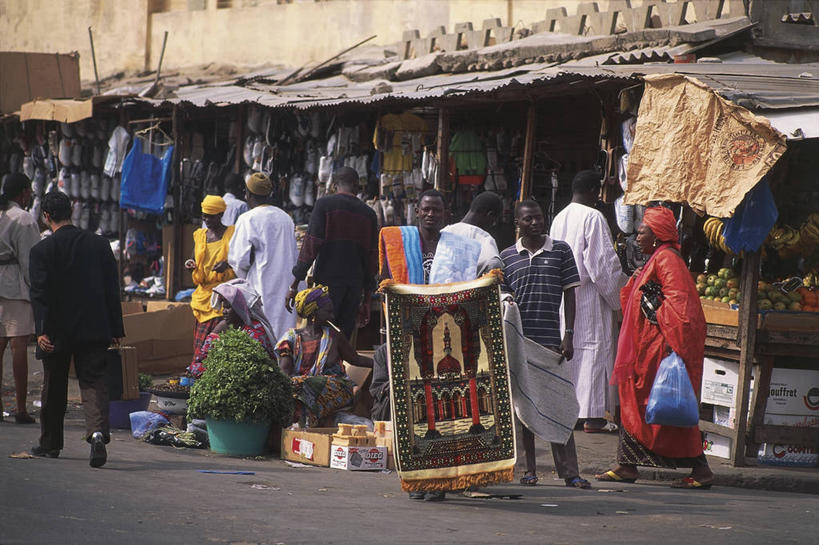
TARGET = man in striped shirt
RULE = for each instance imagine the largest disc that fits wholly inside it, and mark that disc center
(539, 273)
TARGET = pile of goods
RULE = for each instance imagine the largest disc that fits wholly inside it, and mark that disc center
(789, 241)
(713, 229)
(795, 294)
(723, 286)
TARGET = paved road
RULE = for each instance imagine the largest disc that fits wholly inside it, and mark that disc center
(150, 494)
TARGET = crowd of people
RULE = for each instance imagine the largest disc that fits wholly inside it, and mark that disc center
(565, 279)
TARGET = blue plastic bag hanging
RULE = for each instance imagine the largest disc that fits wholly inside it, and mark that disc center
(145, 180)
(672, 401)
(753, 220)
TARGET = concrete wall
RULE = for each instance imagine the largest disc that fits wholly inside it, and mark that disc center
(292, 34)
(61, 26)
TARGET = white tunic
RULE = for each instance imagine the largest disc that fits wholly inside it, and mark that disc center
(263, 252)
(596, 298)
(490, 256)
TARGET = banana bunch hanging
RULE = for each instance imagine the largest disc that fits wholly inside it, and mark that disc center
(713, 229)
(809, 232)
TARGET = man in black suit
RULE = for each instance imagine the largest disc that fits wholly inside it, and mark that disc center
(77, 313)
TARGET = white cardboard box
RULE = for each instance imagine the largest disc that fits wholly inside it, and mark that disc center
(794, 420)
(358, 458)
(788, 455)
(716, 445)
(719, 382)
(794, 391)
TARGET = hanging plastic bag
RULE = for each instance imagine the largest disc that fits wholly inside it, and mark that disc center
(672, 401)
(145, 180)
(753, 220)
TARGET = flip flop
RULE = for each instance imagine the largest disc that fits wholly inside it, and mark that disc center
(528, 480)
(578, 482)
(612, 477)
(690, 483)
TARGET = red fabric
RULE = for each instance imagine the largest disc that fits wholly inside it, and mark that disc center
(681, 327)
(662, 223)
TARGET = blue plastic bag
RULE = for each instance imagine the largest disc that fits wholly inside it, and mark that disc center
(144, 421)
(672, 401)
(145, 180)
(753, 220)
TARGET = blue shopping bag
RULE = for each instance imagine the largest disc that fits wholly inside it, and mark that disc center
(672, 401)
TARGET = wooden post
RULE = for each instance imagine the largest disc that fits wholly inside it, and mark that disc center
(443, 149)
(528, 153)
(747, 348)
(178, 224)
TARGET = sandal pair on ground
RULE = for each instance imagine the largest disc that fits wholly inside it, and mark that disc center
(530, 479)
(689, 482)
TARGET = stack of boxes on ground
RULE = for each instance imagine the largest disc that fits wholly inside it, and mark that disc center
(793, 401)
(349, 447)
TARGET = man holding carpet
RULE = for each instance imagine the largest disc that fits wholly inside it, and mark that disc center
(541, 273)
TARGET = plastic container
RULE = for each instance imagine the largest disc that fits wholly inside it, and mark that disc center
(119, 411)
(237, 438)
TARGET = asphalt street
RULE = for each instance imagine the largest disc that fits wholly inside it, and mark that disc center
(152, 494)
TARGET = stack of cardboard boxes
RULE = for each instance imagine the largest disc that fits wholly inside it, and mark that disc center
(354, 449)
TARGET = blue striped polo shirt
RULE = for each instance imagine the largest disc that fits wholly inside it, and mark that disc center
(537, 281)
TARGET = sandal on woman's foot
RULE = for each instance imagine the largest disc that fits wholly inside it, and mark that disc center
(612, 477)
(528, 480)
(578, 482)
(691, 482)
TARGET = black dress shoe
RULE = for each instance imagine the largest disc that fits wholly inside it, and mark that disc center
(98, 455)
(435, 496)
(416, 495)
(44, 453)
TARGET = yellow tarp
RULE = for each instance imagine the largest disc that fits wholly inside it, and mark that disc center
(693, 146)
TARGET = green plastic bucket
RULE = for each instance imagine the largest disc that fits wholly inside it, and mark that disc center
(237, 438)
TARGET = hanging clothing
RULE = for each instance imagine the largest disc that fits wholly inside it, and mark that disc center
(117, 145)
(263, 252)
(207, 255)
(145, 180)
(235, 208)
(596, 298)
(467, 150)
(489, 257)
(394, 139)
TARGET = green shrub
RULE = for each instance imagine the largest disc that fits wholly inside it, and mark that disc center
(241, 383)
(145, 382)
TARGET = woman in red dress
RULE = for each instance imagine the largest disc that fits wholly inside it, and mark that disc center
(661, 313)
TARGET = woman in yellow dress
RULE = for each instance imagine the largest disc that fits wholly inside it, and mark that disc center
(209, 267)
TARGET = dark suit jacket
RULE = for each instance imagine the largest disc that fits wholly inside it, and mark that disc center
(75, 290)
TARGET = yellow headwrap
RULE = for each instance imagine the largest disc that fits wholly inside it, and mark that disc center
(213, 204)
(308, 301)
(259, 184)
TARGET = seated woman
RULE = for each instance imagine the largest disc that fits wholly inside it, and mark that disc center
(241, 308)
(313, 356)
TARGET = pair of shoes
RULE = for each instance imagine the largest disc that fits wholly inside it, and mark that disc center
(417, 495)
(578, 482)
(691, 482)
(612, 477)
(98, 455)
(23, 418)
(44, 453)
(528, 479)
(594, 425)
(435, 496)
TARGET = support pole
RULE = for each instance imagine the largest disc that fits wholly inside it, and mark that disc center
(747, 348)
(443, 150)
(94, 59)
(178, 224)
(528, 153)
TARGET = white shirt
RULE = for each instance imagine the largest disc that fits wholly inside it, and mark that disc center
(490, 256)
(263, 252)
(18, 233)
(235, 208)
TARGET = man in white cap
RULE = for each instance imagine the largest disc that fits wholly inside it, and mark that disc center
(263, 251)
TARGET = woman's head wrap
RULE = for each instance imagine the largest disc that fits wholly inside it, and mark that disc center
(308, 301)
(213, 204)
(245, 302)
(662, 223)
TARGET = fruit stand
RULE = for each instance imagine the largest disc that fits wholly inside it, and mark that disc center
(775, 321)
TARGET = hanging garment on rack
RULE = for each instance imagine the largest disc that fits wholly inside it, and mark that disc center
(117, 145)
(145, 180)
(393, 137)
(467, 150)
(495, 180)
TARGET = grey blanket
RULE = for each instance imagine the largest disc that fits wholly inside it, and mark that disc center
(542, 389)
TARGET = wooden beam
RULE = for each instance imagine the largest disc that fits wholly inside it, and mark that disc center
(178, 223)
(443, 149)
(528, 152)
(747, 347)
(759, 400)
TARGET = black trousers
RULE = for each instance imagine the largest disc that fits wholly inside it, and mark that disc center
(90, 366)
(346, 301)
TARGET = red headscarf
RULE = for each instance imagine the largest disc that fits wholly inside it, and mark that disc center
(662, 223)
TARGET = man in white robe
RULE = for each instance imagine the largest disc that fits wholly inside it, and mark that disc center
(597, 298)
(263, 251)
(483, 214)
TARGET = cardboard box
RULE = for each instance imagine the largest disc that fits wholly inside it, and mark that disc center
(716, 445)
(358, 458)
(310, 446)
(793, 420)
(788, 455)
(719, 382)
(163, 338)
(27, 76)
(794, 392)
(132, 307)
(130, 374)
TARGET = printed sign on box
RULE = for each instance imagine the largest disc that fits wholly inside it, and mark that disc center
(358, 458)
(788, 455)
(794, 391)
(716, 445)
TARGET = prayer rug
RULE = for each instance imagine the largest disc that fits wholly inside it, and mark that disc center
(451, 400)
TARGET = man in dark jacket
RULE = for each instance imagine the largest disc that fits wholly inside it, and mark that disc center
(77, 313)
